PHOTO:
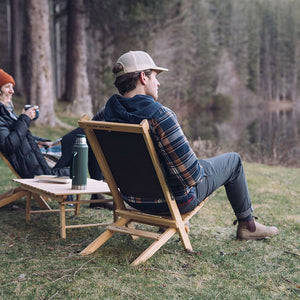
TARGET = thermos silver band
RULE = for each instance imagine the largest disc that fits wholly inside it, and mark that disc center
(78, 187)
(80, 140)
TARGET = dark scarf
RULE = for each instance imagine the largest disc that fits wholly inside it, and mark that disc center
(10, 109)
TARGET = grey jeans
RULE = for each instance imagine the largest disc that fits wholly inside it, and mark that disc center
(224, 170)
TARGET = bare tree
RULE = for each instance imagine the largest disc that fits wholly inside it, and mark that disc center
(41, 89)
(78, 89)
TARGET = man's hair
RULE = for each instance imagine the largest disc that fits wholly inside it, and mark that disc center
(127, 82)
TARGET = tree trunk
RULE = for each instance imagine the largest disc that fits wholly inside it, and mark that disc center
(58, 27)
(41, 90)
(16, 40)
(78, 89)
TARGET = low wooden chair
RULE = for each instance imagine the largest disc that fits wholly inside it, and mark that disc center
(129, 162)
(17, 193)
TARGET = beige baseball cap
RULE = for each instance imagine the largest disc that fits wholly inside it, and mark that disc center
(134, 61)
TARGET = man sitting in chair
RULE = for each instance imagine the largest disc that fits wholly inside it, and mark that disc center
(190, 180)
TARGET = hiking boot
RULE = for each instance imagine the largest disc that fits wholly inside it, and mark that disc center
(70, 198)
(252, 230)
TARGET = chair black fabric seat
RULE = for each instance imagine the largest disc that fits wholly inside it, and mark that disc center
(130, 162)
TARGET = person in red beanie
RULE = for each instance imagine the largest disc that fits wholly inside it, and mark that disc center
(7, 84)
(17, 143)
(22, 149)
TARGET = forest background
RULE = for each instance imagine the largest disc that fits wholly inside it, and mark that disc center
(220, 53)
(223, 56)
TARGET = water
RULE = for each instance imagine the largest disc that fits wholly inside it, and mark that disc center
(260, 134)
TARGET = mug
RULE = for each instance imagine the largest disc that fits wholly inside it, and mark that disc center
(27, 106)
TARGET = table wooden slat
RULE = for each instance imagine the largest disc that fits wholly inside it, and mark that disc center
(59, 189)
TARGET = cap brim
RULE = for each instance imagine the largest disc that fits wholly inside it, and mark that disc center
(160, 69)
(157, 69)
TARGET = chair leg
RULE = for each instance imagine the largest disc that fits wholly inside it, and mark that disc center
(41, 201)
(182, 231)
(62, 215)
(114, 210)
(105, 236)
(7, 194)
(11, 196)
(28, 207)
(77, 205)
(154, 247)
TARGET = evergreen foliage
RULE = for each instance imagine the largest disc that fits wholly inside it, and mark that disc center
(262, 38)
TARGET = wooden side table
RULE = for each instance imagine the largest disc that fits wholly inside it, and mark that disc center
(59, 192)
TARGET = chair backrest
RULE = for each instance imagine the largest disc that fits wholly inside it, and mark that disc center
(130, 162)
(127, 158)
(9, 165)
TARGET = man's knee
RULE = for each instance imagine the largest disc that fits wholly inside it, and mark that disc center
(235, 159)
(235, 156)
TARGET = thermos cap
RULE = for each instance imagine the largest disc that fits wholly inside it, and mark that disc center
(80, 139)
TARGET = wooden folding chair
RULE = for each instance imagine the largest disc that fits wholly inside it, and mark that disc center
(17, 193)
(130, 165)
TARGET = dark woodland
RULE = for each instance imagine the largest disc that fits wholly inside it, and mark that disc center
(221, 55)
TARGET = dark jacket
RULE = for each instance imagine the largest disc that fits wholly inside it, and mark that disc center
(180, 164)
(130, 110)
(20, 147)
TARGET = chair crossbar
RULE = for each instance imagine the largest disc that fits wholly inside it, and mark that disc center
(146, 218)
(133, 231)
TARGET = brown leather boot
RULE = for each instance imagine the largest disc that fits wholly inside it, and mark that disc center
(252, 230)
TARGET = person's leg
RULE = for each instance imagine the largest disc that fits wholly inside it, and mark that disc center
(227, 170)
(94, 168)
(67, 143)
(96, 173)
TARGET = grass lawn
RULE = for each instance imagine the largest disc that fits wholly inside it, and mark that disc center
(37, 264)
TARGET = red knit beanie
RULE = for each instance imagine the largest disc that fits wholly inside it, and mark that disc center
(5, 78)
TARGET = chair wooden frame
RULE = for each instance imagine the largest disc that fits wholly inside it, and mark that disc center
(17, 193)
(126, 216)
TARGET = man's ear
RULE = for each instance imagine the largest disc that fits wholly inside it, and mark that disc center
(143, 78)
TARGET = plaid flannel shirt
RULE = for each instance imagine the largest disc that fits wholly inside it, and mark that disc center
(180, 163)
(182, 168)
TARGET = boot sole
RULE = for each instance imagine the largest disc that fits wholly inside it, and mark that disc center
(254, 238)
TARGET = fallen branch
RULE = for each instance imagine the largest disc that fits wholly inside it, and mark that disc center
(293, 253)
(81, 267)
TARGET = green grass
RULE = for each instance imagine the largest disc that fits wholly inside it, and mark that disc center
(37, 264)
